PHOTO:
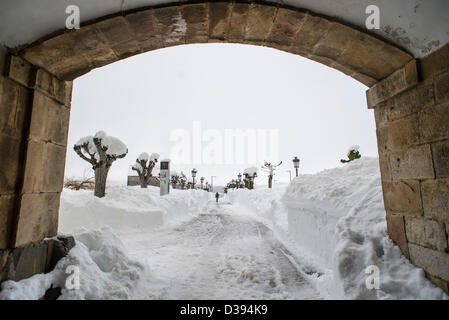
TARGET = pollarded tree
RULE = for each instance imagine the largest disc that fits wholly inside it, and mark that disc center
(183, 180)
(100, 151)
(249, 175)
(175, 179)
(144, 166)
(270, 168)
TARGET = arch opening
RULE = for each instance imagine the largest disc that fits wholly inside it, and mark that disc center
(409, 98)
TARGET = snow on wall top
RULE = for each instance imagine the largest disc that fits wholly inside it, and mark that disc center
(419, 26)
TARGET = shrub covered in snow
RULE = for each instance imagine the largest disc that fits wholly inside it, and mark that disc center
(353, 153)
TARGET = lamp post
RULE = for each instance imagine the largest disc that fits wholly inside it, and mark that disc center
(239, 181)
(296, 164)
(193, 176)
(212, 183)
(202, 181)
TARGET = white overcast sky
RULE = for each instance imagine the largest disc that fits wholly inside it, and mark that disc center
(318, 111)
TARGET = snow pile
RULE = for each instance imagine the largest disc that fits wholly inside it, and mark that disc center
(338, 217)
(264, 203)
(105, 272)
(127, 208)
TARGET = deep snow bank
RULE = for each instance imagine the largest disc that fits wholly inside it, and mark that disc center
(338, 217)
(127, 208)
(263, 203)
(105, 272)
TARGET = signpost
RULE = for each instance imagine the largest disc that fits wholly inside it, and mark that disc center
(165, 177)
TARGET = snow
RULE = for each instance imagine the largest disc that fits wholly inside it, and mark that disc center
(154, 157)
(337, 216)
(353, 148)
(89, 141)
(251, 171)
(143, 156)
(100, 135)
(138, 167)
(312, 239)
(127, 208)
(106, 272)
(115, 147)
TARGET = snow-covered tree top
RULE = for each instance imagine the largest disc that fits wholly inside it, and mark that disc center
(100, 135)
(354, 148)
(143, 156)
(251, 171)
(113, 146)
(154, 157)
(89, 142)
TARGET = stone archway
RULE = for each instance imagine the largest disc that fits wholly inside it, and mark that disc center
(410, 98)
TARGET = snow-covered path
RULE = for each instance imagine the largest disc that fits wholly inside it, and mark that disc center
(220, 254)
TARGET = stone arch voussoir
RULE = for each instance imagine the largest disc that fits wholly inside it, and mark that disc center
(75, 52)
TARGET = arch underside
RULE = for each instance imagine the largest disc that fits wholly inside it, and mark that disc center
(360, 55)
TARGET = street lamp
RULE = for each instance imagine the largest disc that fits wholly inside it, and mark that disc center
(239, 180)
(296, 164)
(202, 181)
(193, 176)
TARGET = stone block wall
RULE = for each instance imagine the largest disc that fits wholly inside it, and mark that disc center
(34, 109)
(412, 117)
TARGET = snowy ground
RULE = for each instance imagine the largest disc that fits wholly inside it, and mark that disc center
(311, 239)
(220, 255)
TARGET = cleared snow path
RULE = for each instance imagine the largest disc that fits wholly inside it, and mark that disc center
(219, 255)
